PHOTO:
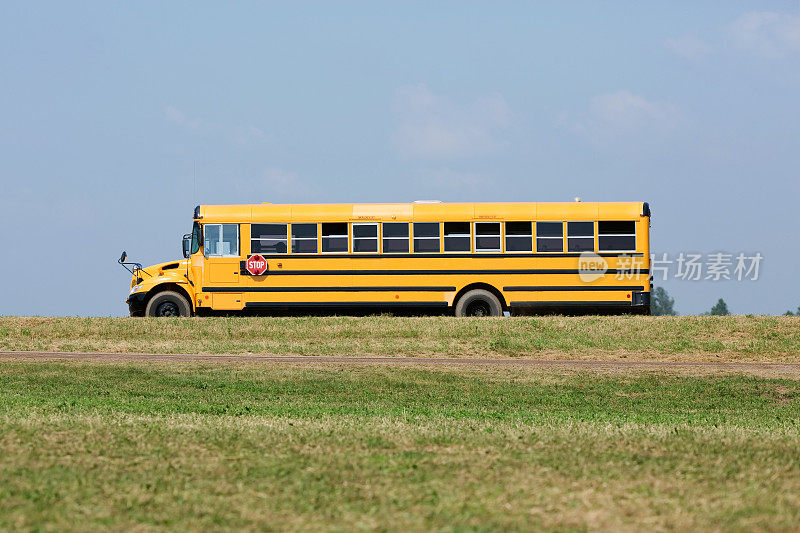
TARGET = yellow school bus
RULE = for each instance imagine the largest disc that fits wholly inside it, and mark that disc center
(468, 259)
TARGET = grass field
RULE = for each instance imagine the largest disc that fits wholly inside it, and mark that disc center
(235, 445)
(152, 446)
(707, 338)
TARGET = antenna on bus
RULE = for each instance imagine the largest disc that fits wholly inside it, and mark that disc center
(194, 181)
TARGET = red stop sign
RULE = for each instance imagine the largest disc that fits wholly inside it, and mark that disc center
(256, 264)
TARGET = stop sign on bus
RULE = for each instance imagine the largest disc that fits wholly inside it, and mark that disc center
(256, 265)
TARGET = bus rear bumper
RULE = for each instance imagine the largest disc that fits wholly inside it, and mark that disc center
(640, 301)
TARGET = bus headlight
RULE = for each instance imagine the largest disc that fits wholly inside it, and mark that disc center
(134, 289)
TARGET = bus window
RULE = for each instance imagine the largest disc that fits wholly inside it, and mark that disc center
(334, 237)
(456, 237)
(519, 236)
(549, 237)
(365, 238)
(395, 237)
(221, 240)
(426, 237)
(268, 239)
(580, 236)
(616, 236)
(487, 236)
(304, 238)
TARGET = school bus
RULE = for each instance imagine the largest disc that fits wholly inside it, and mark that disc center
(468, 259)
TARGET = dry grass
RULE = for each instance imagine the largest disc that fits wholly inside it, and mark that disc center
(691, 338)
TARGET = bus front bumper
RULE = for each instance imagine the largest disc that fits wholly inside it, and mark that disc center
(136, 303)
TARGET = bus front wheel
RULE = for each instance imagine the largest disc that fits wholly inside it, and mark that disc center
(167, 304)
(479, 302)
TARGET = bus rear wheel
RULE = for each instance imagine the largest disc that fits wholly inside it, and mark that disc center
(167, 304)
(479, 302)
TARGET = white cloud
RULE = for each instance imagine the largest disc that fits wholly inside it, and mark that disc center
(432, 126)
(250, 135)
(177, 117)
(277, 186)
(766, 32)
(285, 183)
(436, 181)
(241, 135)
(622, 114)
(689, 46)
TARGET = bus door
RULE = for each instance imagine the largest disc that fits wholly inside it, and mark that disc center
(221, 268)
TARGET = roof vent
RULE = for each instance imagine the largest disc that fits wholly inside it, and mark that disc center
(577, 198)
(427, 201)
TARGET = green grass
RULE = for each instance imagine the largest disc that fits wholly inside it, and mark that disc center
(709, 338)
(190, 446)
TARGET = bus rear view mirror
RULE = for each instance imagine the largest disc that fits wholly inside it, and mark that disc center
(187, 245)
(123, 257)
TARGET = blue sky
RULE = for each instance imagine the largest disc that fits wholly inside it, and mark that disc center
(110, 110)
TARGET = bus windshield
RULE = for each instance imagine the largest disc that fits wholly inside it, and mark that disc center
(196, 237)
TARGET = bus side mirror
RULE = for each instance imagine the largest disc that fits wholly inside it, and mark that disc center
(123, 257)
(187, 246)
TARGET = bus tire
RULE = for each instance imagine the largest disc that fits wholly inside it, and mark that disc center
(167, 304)
(478, 302)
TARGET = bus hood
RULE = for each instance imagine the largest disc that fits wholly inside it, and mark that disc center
(151, 274)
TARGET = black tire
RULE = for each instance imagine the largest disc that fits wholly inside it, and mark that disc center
(168, 304)
(479, 302)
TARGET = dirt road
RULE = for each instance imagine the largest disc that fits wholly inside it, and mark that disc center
(776, 368)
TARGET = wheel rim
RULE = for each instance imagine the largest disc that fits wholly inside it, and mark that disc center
(479, 308)
(168, 309)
